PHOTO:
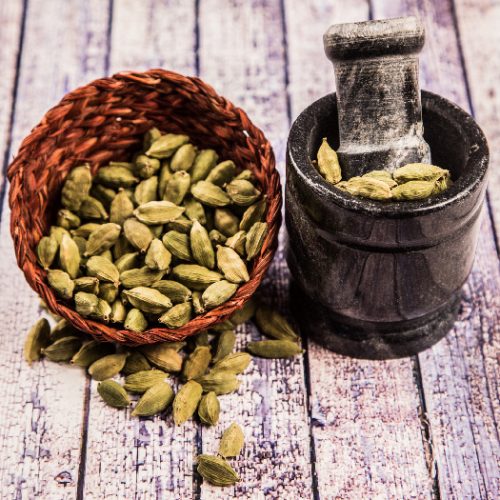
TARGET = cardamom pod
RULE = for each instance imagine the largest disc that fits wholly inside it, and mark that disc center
(107, 254)
(204, 162)
(67, 219)
(141, 381)
(103, 194)
(216, 237)
(177, 187)
(103, 269)
(274, 348)
(195, 211)
(158, 212)
(37, 339)
(175, 291)
(178, 244)
(127, 261)
(163, 178)
(178, 316)
(61, 282)
(225, 345)
(237, 242)
(154, 400)
(135, 321)
(46, 251)
(86, 303)
(108, 292)
(69, 256)
(414, 190)
(272, 324)
(183, 158)
(76, 187)
(146, 191)
(142, 276)
(118, 312)
(136, 362)
(57, 233)
(226, 222)
(122, 247)
(63, 349)
(236, 363)
(116, 177)
(209, 409)
(148, 300)
(81, 243)
(197, 303)
(197, 363)
(201, 246)
(328, 163)
(242, 192)
(255, 239)
(182, 225)
(218, 293)
(216, 470)
(92, 208)
(63, 329)
(231, 265)
(113, 394)
(84, 231)
(107, 366)
(232, 441)
(419, 172)
(166, 145)
(186, 401)
(367, 187)
(245, 313)
(103, 311)
(254, 213)
(138, 234)
(157, 258)
(149, 137)
(162, 356)
(102, 239)
(220, 382)
(90, 352)
(121, 208)
(246, 175)
(381, 175)
(146, 167)
(222, 173)
(209, 194)
(194, 276)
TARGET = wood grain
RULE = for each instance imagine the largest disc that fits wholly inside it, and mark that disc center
(460, 374)
(42, 406)
(242, 55)
(129, 457)
(365, 414)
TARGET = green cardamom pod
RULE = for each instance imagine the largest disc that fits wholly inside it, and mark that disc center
(216, 237)
(116, 177)
(274, 348)
(328, 163)
(47, 250)
(254, 213)
(158, 212)
(107, 366)
(67, 219)
(381, 175)
(231, 265)
(272, 324)
(63, 329)
(194, 276)
(108, 292)
(103, 194)
(84, 231)
(103, 269)
(203, 164)
(91, 208)
(237, 242)
(69, 256)
(121, 208)
(178, 244)
(146, 191)
(414, 190)
(81, 243)
(177, 187)
(183, 158)
(148, 300)
(197, 303)
(232, 441)
(103, 311)
(122, 247)
(135, 321)
(225, 345)
(367, 187)
(195, 211)
(76, 187)
(201, 246)
(90, 352)
(138, 234)
(107, 254)
(236, 363)
(220, 382)
(157, 258)
(163, 356)
(118, 312)
(154, 400)
(163, 178)
(127, 261)
(197, 363)
(166, 145)
(209, 409)
(63, 349)
(113, 394)
(419, 172)
(216, 470)
(175, 291)
(181, 225)
(146, 167)
(140, 277)
(186, 401)
(218, 293)
(243, 193)
(136, 362)
(246, 175)
(57, 233)
(102, 239)
(226, 222)
(141, 381)
(86, 303)
(209, 194)
(244, 314)
(255, 239)
(222, 173)
(61, 283)
(149, 137)
(178, 316)
(38, 338)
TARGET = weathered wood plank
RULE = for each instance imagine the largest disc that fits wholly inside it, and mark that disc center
(241, 53)
(41, 411)
(128, 457)
(460, 374)
(366, 427)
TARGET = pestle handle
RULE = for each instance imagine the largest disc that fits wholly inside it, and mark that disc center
(378, 93)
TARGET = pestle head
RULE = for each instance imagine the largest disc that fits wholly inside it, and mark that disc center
(378, 93)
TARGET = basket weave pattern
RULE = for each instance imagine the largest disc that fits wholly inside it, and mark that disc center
(105, 120)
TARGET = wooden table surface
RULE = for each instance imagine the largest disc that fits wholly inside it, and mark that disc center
(318, 426)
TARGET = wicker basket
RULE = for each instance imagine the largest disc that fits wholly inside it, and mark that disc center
(105, 120)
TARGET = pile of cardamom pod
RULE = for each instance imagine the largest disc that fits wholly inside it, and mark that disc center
(155, 240)
(414, 181)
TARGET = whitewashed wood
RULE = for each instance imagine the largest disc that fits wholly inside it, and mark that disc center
(41, 410)
(128, 457)
(460, 374)
(366, 427)
(242, 55)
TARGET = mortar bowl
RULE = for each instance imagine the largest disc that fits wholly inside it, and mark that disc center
(382, 280)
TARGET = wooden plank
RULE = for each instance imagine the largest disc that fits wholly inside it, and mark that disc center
(460, 374)
(366, 427)
(478, 23)
(42, 406)
(128, 457)
(242, 56)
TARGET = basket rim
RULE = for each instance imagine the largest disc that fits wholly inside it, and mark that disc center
(25, 248)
